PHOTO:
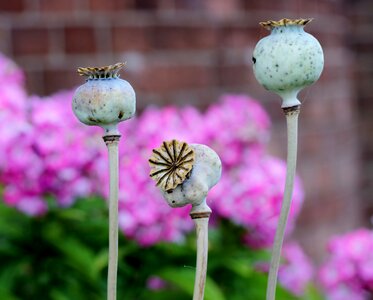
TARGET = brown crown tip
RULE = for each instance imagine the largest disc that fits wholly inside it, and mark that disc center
(285, 22)
(110, 71)
(171, 164)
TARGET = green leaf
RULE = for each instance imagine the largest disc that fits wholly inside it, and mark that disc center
(164, 295)
(312, 293)
(58, 295)
(184, 279)
(78, 256)
(241, 267)
(5, 295)
(100, 262)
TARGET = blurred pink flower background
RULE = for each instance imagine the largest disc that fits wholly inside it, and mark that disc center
(348, 273)
(47, 154)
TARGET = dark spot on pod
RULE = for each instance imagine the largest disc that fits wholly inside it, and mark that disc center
(120, 115)
(173, 201)
(254, 60)
(93, 120)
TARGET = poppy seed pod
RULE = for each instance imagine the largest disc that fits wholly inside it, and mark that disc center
(287, 60)
(185, 173)
(105, 99)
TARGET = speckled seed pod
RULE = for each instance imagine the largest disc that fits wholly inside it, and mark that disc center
(196, 182)
(105, 99)
(287, 60)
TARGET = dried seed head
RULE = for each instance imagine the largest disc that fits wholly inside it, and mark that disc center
(101, 72)
(284, 22)
(171, 164)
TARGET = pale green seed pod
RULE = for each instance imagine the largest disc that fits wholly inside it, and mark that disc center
(185, 173)
(287, 60)
(105, 99)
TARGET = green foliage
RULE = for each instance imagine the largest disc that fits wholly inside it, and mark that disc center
(63, 256)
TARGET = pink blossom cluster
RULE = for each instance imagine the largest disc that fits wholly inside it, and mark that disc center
(297, 271)
(251, 188)
(47, 153)
(348, 273)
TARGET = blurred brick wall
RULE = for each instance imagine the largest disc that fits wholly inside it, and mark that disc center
(361, 42)
(191, 51)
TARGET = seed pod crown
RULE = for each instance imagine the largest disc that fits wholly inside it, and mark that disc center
(171, 164)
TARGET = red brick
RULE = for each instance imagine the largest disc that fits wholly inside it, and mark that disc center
(161, 79)
(328, 39)
(168, 37)
(365, 46)
(331, 210)
(56, 80)
(235, 75)
(238, 36)
(80, 40)
(13, 6)
(146, 4)
(222, 8)
(110, 5)
(57, 5)
(30, 41)
(130, 38)
(34, 82)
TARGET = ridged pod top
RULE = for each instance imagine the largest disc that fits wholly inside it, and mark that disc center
(269, 25)
(101, 72)
(171, 164)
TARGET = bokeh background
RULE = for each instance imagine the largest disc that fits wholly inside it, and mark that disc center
(192, 51)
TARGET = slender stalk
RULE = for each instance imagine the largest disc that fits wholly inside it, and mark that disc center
(200, 215)
(112, 145)
(291, 114)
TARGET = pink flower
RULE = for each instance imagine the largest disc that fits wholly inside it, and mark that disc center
(251, 195)
(155, 283)
(297, 271)
(348, 272)
(346, 293)
(46, 151)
